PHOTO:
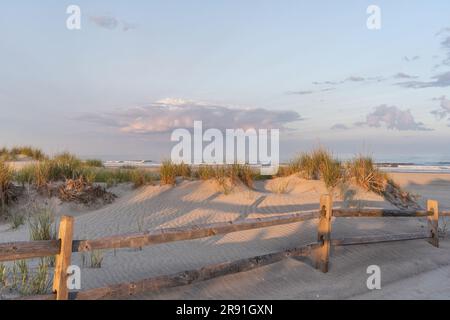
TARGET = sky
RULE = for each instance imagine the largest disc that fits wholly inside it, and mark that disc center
(136, 71)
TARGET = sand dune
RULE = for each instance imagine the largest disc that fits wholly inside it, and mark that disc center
(411, 269)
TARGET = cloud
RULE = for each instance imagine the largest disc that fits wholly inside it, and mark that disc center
(340, 126)
(353, 78)
(111, 23)
(300, 92)
(444, 110)
(444, 33)
(402, 75)
(128, 26)
(105, 22)
(306, 92)
(169, 114)
(440, 81)
(391, 117)
(409, 59)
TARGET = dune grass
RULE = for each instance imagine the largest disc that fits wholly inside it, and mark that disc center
(364, 173)
(320, 164)
(310, 165)
(7, 195)
(140, 178)
(204, 172)
(331, 172)
(183, 170)
(27, 151)
(25, 279)
(93, 163)
(42, 225)
(168, 173)
(314, 165)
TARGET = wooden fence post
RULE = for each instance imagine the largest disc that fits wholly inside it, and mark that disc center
(433, 222)
(63, 259)
(324, 233)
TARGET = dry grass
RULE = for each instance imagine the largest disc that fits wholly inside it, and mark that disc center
(94, 163)
(16, 220)
(168, 173)
(183, 170)
(309, 165)
(42, 225)
(3, 276)
(281, 186)
(205, 172)
(331, 172)
(363, 172)
(221, 176)
(244, 173)
(96, 259)
(140, 178)
(27, 151)
(24, 279)
(7, 193)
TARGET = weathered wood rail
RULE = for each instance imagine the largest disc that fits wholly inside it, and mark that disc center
(319, 251)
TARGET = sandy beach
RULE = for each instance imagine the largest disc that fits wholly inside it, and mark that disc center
(411, 269)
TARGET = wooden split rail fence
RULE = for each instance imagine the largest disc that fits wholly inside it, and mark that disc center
(318, 251)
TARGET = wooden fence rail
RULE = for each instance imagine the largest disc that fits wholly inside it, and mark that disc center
(318, 251)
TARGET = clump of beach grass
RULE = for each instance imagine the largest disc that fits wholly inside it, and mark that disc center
(3, 275)
(61, 167)
(364, 173)
(168, 173)
(27, 151)
(7, 194)
(205, 172)
(222, 178)
(242, 172)
(140, 178)
(42, 225)
(96, 259)
(281, 186)
(331, 172)
(183, 170)
(309, 165)
(25, 279)
(16, 220)
(94, 163)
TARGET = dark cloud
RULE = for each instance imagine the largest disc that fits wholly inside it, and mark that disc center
(340, 126)
(439, 81)
(111, 23)
(391, 117)
(167, 115)
(444, 108)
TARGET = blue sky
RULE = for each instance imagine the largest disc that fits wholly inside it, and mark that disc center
(310, 67)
